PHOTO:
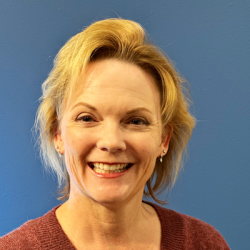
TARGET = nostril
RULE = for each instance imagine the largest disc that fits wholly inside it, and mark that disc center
(112, 148)
(111, 141)
(104, 149)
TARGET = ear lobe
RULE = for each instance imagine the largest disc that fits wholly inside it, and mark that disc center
(166, 136)
(58, 142)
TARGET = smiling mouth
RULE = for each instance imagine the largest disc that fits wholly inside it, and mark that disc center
(104, 168)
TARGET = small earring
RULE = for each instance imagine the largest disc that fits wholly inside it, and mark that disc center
(161, 158)
(58, 150)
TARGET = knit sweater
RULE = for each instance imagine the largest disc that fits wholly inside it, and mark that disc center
(178, 232)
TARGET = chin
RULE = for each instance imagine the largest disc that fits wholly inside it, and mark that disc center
(108, 201)
(108, 198)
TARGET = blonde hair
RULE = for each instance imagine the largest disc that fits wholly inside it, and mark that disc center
(123, 40)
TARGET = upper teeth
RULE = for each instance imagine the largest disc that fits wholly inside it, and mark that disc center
(109, 167)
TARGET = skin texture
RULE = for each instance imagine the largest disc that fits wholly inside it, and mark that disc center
(114, 117)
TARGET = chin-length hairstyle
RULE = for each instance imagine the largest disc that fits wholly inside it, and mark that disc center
(127, 41)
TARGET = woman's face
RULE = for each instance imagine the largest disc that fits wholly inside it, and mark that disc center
(114, 123)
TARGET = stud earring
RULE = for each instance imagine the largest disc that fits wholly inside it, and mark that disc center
(58, 150)
(161, 158)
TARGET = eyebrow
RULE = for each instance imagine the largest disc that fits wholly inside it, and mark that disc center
(84, 104)
(129, 112)
(138, 109)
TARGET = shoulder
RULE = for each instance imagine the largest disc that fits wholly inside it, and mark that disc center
(34, 234)
(201, 234)
(188, 231)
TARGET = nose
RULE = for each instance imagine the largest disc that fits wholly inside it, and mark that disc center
(111, 139)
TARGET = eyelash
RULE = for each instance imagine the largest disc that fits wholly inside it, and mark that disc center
(142, 121)
(85, 116)
(90, 119)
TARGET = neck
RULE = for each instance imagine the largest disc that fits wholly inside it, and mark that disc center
(91, 221)
(108, 216)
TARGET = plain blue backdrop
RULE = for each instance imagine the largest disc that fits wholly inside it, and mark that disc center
(210, 43)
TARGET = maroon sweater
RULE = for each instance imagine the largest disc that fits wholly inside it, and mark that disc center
(178, 232)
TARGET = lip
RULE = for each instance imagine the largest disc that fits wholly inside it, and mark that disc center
(108, 163)
(109, 175)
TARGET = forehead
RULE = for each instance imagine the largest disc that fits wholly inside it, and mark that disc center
(114, 79)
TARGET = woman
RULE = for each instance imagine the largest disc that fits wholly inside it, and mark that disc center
(113, 118)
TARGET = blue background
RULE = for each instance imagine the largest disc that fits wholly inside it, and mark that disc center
(210, 43)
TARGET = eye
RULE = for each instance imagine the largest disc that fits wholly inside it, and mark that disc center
(85, 118)
(138, 121)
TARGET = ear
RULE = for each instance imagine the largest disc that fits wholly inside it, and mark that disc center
(58, 141)
(166, 136)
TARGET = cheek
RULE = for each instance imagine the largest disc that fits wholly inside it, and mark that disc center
(76, 148)
(77, 142)
(153, 141)
(147, 146)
